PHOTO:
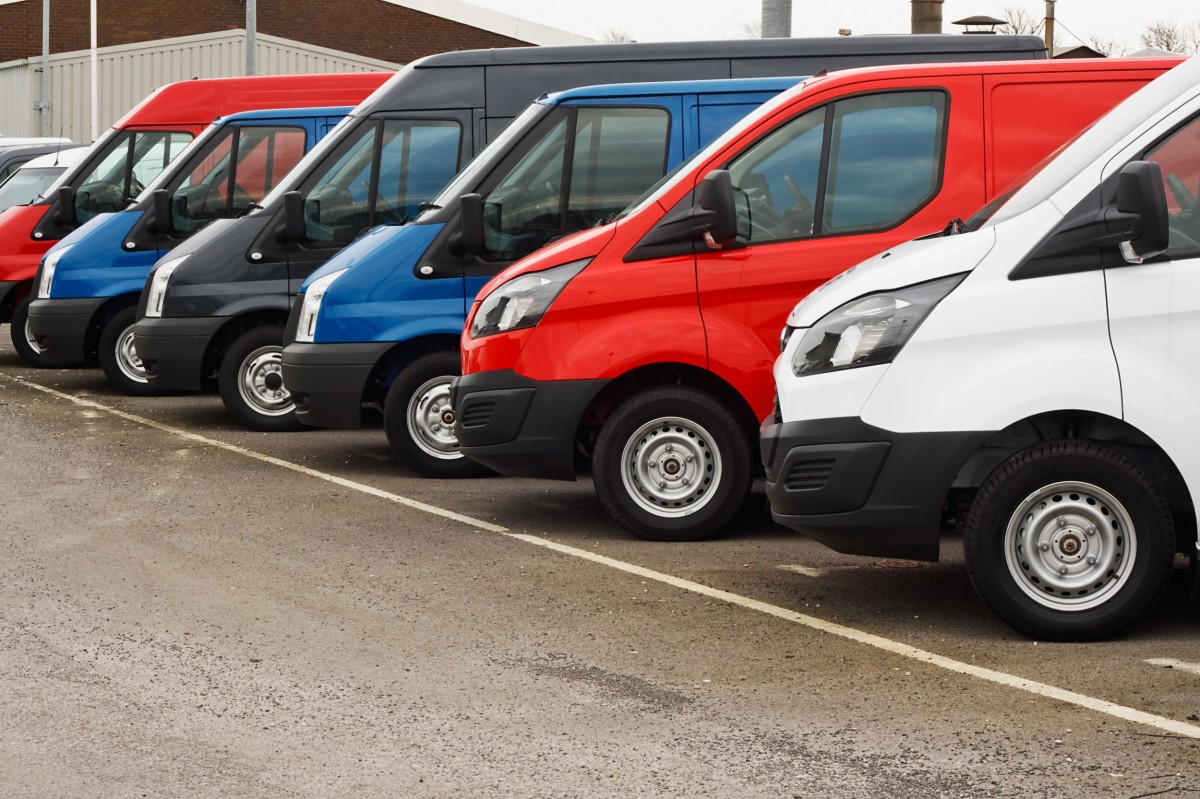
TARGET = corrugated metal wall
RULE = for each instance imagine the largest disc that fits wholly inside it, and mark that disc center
(129, 72)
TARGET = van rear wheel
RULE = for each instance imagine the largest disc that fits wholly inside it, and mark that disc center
(1069, 540)
(250, 380)
(419, 421)
(672, 464)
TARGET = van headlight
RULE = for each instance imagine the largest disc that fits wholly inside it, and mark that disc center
(521, 301)
(159, 280)
(47, 273)
(869, 330)
(311, 306)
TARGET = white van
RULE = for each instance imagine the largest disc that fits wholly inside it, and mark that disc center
(1032, 376)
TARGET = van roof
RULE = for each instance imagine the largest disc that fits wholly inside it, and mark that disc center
(67, 157)
(675, 87)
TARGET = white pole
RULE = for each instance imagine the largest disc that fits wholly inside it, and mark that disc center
(43, 105)
(95, 77)
(251, 37)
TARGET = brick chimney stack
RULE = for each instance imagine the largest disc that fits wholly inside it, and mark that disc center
(927, 16)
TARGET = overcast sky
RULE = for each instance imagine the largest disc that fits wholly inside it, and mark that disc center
(658, 20)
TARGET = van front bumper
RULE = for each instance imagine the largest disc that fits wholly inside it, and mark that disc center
(172, 349)
(859, 489)
(329, 381)
(61, 326)
(518, 426)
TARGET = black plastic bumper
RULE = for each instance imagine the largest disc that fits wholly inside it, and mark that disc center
(859, 489)
(61, 327)
(328, 381)
(172, 349)
(6, 294)
(518, 426)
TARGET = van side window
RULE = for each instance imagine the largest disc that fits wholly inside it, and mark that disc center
(614, 153)
(861, 164)
(264, 155)
(135, 159)
(1179, 159)
(419, 157)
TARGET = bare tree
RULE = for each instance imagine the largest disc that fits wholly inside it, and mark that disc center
(1171, 35)
(751, 29)
(616, 36)
(1019, 20)
(1109, 47)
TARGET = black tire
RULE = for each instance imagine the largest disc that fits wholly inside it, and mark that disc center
(25, 346)
(419, 422)
(119, 361)
(250, 380)
(1069, 541)
(693, 444)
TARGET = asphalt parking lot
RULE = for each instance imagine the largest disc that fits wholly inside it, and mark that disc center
(189, 609)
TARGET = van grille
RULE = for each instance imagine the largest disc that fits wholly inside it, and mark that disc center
(809, 475)
(477, 413)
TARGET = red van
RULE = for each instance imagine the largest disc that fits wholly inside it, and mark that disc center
(132, 153)
(646, 344)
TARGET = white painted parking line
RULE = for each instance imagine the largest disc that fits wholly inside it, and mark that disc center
(1171, 663)
(887, 645)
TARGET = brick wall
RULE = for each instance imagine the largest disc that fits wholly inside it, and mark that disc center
(366, 27)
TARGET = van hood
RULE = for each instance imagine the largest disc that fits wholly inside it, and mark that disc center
(575, 247)
(916, 261)
(376, 255)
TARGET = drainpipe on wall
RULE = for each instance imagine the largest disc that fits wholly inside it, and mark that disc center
(1050, 28)
(43, 103)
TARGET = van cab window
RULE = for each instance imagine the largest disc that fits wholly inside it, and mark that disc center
(1178, 157)
(419, 156)
(860, 164)
(134, 159)
(236, 173)
(587, 167)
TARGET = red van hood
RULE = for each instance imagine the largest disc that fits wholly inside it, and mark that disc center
(584, 244)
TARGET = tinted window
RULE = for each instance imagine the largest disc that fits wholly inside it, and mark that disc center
(133, 159)
(1179, 159)
(864, 163)
(615, 153)
(418, 158)
(223, 185)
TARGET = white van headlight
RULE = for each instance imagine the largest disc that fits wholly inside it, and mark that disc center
(869, 330)
(521, 301)
(312, 305)
(48, 267)
(159, 280)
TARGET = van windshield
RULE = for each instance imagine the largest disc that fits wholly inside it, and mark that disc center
(130, 160)
(26, 184)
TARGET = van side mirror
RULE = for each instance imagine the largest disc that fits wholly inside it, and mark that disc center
(715, 195)
(66, 207)
(470, 217)
(161, 208)
(1142, 203)
(293, 217)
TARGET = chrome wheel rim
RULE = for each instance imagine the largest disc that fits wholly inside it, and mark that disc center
(1070, 546)
(31, 342)
(671, 467)
(260, 382)
(430, 419)
(127, 358)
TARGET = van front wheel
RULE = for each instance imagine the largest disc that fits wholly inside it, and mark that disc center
(251, 381)
(1069, 540)
(672, 464)
(419, 421)
(119, 361)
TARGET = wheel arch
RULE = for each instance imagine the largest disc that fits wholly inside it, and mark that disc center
(649, 376)
(234, 327)
(1084, 425)
(100, 319)
(400, 356)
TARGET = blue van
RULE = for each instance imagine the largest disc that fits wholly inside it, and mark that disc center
(99, 268)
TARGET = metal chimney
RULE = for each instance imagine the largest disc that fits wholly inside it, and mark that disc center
(926, 16)
(776, 19)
